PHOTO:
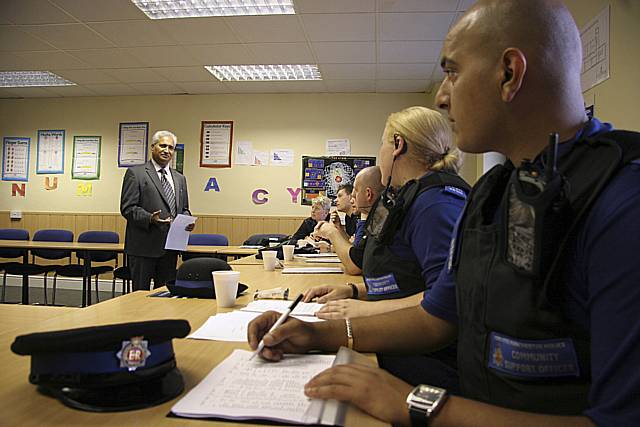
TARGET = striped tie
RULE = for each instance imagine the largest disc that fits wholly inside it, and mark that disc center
(168, 191)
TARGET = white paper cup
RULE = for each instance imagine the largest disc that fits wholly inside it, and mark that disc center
(288, 252)
(225, 284)
(269, 260)
(343, 217)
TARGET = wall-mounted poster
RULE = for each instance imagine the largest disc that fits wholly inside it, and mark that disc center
(323, 176)
(86, 157)
(15, 158)
(177, 161)
(50, 151)
(215, 144)
(132, 144)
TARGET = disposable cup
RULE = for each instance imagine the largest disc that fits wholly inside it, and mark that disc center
(225, 283)
(269, 260)
(288, 252)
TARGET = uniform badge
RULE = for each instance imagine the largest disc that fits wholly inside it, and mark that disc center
(134, 353)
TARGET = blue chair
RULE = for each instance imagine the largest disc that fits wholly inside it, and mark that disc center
(33, 269)
(264, 239)
(11, 234)
(205, 240)
(77, 270)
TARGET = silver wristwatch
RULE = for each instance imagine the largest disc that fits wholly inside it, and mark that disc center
(424, 401)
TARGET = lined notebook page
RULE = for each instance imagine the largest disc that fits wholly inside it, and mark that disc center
(241, 389)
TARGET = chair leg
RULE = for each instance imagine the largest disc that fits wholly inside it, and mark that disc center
(113, 288)
(55, 282)
(44, 285)
(97, 291)
(4, 284)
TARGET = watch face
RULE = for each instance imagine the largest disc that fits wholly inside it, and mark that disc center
(426, 397)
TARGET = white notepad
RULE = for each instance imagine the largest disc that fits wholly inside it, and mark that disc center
(328, 260)
(243, 389)
(311, 270)
(322, 255)
(306, 309)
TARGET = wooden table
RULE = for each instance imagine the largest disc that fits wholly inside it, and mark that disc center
(22, 405)
(106, 247)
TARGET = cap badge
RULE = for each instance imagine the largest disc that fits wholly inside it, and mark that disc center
(134, 353)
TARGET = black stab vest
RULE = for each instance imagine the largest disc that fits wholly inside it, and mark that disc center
(380, 265)
(514, 340)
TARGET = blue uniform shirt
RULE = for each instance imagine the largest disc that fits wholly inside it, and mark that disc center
(602, 294)
(426, 230)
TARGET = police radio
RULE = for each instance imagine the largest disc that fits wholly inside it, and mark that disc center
(537, 213)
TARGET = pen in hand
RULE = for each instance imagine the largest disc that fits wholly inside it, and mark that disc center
(279, 322)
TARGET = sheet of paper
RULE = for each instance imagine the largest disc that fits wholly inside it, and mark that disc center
(50, 158)
(338, 147)
(132, 144)
(230, 326)
(311, 270)
(595, 50)
(244, 153)
(322, 255)
(327, 260)
(302, 309)
(260, 158)
(178, 237)
(239, 388)
(281, 157)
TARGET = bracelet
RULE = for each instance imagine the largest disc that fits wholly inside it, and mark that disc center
(349, 334)
(354, 290)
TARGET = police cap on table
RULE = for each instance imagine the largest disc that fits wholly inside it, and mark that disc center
(107, 368)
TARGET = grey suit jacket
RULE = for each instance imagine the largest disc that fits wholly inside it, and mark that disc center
(141, 195)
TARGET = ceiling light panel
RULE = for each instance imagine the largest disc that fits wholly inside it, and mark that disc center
(281, 72)
(31, 79)
(168, 9)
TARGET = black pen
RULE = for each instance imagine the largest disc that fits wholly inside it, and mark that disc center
(279, 322)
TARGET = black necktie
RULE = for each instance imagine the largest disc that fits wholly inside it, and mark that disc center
(168, 191)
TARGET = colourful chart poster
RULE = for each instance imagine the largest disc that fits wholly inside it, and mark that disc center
(15, 158)
(86, 157)
(325, 175)
(132, 144)
(50, 152)
(216, 139)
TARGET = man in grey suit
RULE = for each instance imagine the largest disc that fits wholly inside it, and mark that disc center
(152, 195)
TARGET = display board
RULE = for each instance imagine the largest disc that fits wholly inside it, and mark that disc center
(323, 176)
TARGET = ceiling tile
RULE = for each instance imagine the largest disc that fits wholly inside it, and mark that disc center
(107, 58)
(184, 74)
(251, 87)
(402, 85)
(203, 87)
(164, 88)
(350, 85)
(281, 53)
(419, 5)
(11, 38)
(220, 54)
(264, 29)
(101, 10)
(31, 92)
(405, 71)
(133, 33)
(340, 27)
(86, 76)
(345, 52)
(32, 12)
(52, 60)
(11, 62)
(410, 52)
(466, 4)
(212, 30)
(347, 71)
(68, 36)
(112, 89)
(303, 86)
(415, 26)
(135, 75)
(165, 56)
(334, 6)
(71, 91)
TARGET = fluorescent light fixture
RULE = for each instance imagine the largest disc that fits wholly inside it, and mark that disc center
(251, 73)
(167, 9)
(32, 79)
